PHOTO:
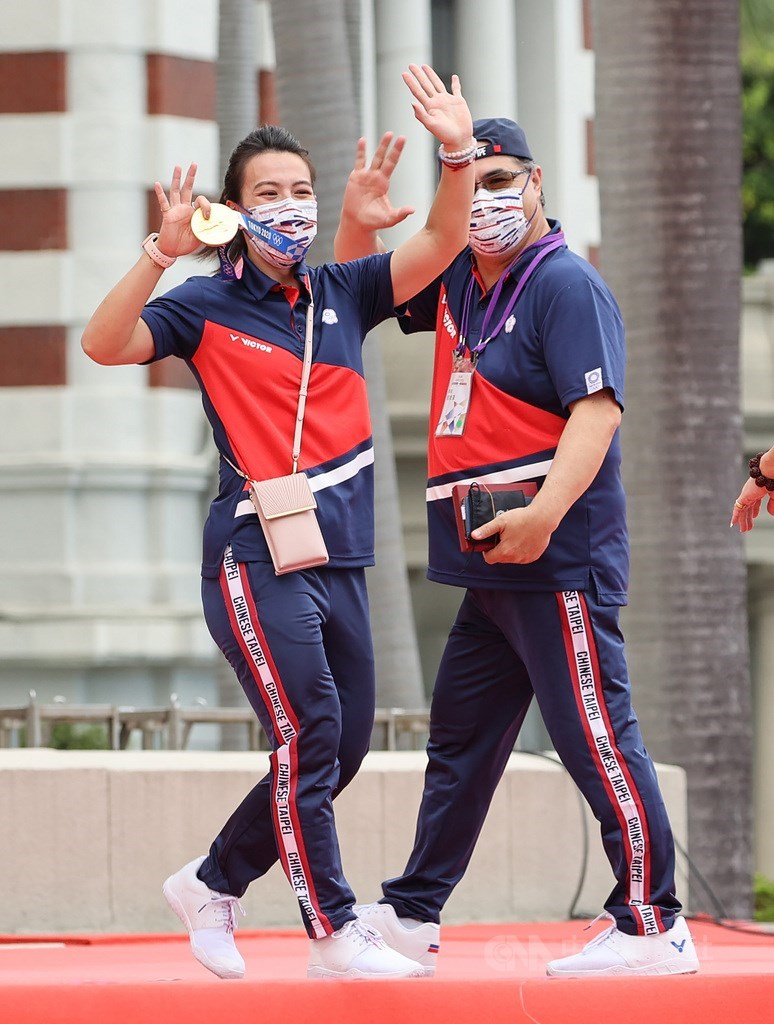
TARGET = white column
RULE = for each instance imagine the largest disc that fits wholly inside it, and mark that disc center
(402, 32)
(368, 89)
(556, 98)
(266, 57)
(488, 74)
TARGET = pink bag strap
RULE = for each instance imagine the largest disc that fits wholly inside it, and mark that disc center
(305, 372)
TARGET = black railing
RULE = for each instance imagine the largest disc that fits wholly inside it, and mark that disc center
(169, 727)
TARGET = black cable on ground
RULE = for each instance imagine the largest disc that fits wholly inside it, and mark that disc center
(693, 872)
(720, 918)
(572, 913)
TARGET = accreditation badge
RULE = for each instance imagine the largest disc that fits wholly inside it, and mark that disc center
(457, 401)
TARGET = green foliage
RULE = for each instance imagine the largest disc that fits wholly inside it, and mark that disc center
(757, 20)
(764, 899)
(758, 154)
(757, 60)
(68, 736)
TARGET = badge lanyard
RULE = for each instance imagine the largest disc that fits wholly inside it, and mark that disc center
(457, 401)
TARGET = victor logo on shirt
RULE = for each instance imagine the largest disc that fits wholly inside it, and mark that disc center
(447, 319)
(240, 339)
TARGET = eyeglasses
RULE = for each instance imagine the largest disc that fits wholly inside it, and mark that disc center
(496, 181)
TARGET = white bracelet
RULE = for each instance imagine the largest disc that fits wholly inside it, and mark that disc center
(159, 258)
(460, 152)
(455, 165)
(460, 158)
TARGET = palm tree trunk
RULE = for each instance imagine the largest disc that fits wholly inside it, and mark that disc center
(318, 88)
(237, 104)
(237, 115)
(668, 145)
(398, 667)
(316, 93)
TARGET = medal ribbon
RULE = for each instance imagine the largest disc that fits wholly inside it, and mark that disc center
(278, 241)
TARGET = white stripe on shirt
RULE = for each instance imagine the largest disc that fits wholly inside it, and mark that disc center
(501, 476)
(322, 480)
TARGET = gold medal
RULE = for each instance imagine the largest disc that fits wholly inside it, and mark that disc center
(222, 225)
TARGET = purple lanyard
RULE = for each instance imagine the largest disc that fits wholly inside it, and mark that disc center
(547, 245)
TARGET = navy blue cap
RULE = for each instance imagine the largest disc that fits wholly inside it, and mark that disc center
(497, 136)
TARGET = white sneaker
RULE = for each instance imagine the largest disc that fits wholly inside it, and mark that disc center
(613, 952)
(418, 940)
(210, 920)
(357, 951)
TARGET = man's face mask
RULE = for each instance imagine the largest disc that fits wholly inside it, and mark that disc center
(497, 221)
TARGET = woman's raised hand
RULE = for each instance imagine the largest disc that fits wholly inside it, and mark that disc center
(366, 197)
(443, 113)
(175, 235)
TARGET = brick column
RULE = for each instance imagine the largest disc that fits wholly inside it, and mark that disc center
(103, 471)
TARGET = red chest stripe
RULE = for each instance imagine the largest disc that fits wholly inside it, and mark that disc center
(253, 388)
(498, 427)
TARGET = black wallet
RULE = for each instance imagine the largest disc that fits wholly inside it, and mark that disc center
(476, 504)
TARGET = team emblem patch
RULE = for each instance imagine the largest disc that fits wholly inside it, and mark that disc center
(329, 316)
(510, 323)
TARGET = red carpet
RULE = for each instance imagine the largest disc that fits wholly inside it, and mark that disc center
(486, 974)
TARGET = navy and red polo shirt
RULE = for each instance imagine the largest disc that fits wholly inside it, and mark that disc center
(244, 342)
(564, 341)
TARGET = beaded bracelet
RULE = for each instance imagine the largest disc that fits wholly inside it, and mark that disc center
(459, 158)
(757, 475)
(455, 165)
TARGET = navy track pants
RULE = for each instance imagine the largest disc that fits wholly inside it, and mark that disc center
(301, 647)
(567, 650)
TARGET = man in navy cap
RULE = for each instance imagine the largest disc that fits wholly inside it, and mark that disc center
(528, 388)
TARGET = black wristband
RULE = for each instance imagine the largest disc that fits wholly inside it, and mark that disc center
(757, 475)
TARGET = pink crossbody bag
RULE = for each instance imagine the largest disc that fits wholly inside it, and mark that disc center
(285, 505)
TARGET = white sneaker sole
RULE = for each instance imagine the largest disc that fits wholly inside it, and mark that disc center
(355, 974)
(619, 971)
(177, 906)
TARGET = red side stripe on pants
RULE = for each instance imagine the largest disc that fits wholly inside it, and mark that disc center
(583, 662)
(284, 760)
